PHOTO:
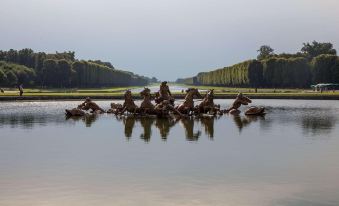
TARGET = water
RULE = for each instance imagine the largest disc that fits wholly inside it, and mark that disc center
(290, 157)
(173, 88)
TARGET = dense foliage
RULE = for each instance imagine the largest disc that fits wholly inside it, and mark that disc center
(277, 70)
(61, 70)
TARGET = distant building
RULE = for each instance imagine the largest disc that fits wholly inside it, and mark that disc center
(325, 87)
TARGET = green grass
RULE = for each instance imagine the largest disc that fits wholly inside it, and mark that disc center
(68, 92)
(119, 91)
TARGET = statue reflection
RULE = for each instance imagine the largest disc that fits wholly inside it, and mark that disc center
(188, 124)
(208, 124)
(129, 123)
(244, 121)
(146, 123)
(88, 119)
(164, 125)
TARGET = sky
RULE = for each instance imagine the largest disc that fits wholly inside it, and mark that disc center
(167, 39)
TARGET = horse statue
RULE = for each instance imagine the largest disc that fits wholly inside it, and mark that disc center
(129, 104)
(188, 105)
(115, 108)
(255, 111)
(146, 104)
(243, 100)
(240, 100)
(207, 104)
(88, 104)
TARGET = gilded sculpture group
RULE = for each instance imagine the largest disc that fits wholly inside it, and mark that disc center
(164, 105)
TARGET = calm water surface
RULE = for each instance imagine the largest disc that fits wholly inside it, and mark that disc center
(290, 157)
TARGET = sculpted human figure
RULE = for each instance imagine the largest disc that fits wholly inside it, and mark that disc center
(165, 93)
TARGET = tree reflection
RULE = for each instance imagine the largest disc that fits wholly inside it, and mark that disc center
(318, 124)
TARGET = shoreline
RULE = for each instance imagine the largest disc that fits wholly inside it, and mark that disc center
(176, 96)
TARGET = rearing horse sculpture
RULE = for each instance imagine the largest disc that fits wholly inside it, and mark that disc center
(146, 105)
(188, 105)
(207, 104)
(129, 104)
(240, 100)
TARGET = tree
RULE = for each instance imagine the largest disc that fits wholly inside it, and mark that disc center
(64, 73)
(11, 78)
(3, 78)
(324, 68)
(154, 80)
(50, 73)
(317, 48)
(265, 51)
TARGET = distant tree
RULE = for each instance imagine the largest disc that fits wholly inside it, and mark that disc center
(265, 51)
(3, 78)
(26, 57)
(38, 65)
(12, 56)
(11, 78)
(324, 68)
(316, 48)
(108, 64)
(50, 73)
(64, 73)
(154, 80)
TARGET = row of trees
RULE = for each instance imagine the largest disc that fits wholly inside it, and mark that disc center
(315, 63)
(12, 74)
(61, 70)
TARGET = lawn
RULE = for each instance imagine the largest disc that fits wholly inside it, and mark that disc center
(119, 91)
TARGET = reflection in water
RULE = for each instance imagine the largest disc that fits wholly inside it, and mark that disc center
(188, 124)
(28, 121)
(88, 119)
(311, 119)
(244, 121)
(275, 160)
(317, 124)
(208, 124)
(164, 125)
(146, 124)
(129, 123)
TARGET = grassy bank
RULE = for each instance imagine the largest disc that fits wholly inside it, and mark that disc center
(117, 93)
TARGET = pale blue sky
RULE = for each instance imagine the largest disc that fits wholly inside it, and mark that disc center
(167, 38)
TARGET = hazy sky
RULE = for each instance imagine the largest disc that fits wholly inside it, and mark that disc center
(167, 38)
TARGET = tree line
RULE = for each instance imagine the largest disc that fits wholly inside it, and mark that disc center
(61, 70)
(315, 63)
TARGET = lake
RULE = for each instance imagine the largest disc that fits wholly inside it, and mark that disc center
(173, 88)
(289, 157)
